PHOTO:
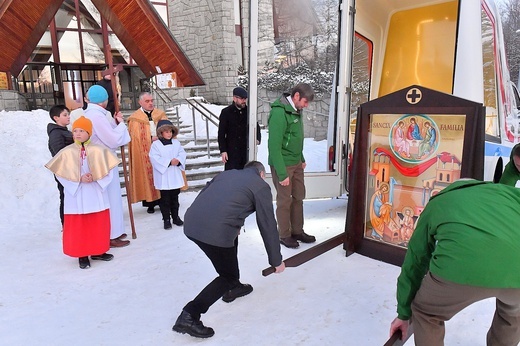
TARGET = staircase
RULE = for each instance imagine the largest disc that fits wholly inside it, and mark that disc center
(202, 161)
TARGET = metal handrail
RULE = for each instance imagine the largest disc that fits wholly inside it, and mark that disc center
(196, 103)
(210, 117)
(164, 97)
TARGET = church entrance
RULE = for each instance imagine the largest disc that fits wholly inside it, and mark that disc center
(47, 84)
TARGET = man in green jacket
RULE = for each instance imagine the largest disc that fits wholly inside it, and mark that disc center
(511, 175)
(287, 163)
(465, 248)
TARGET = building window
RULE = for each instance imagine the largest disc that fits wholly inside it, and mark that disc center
(79, 36)
(161, 6)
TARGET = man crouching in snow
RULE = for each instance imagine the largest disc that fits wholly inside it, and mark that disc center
(464, 249)
(213, 222)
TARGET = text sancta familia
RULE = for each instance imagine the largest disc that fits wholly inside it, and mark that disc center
(451, 127)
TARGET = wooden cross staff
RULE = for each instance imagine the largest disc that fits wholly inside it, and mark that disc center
(113, 71)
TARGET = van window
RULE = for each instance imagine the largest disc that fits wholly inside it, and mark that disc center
(490, 78)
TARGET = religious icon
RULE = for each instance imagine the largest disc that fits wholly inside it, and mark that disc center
(414, 138)
(413, 157)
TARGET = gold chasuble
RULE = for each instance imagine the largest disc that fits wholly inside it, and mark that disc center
(141, 171)
(67, 163)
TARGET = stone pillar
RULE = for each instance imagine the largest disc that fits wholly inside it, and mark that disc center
(11, 100)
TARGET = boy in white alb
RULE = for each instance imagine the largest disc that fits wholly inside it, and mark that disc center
(168, 159)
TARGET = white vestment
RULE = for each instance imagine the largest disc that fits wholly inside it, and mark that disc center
(85, 198)
(112, 136)
(166, 176)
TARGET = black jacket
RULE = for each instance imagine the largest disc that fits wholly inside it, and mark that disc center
(217, 214)
(59, 137)
(233, 134)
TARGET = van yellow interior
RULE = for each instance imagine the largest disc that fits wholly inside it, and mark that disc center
(420, 48)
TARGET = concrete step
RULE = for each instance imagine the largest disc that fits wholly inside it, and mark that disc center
(199, 168)
(201, 173)
(197, 163)
(190, 141)
(196, 179)
(201, 148)
(202, 155)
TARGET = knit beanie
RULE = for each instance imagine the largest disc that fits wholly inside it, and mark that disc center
(84, 124)
(97, 94)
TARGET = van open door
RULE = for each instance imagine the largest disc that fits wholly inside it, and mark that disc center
(305, 41)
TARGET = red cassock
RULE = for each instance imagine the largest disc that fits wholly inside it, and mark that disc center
(86, 234)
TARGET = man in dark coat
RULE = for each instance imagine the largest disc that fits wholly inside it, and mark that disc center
(213, 222)
(106, 83)
(233, 131)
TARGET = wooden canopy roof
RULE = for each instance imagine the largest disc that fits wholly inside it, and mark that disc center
(22, 24)
(135, 23)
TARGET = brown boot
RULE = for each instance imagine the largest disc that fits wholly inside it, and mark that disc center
(289, 242)
(119, 243)
(304, 237)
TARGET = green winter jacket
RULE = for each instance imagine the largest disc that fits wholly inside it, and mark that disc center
(511, 175)
(467, 234)
(285, 143)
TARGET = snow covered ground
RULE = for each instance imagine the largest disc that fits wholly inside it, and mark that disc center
(45, 299)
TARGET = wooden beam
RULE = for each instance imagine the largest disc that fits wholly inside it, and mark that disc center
(22, 24)
(310, 253)
(149, 41)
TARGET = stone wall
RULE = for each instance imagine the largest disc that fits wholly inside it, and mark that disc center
(11, 100)
(205, 29)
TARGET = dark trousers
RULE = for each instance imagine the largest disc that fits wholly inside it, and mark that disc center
(235, 164)
(147, 204)
(169, 203)
(225, 261)
(62, 197)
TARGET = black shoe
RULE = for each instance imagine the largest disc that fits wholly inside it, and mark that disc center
(102, 257)
(84, 263)
(150, 210)
(304, 237)
(167, 224)
(187, 324)
(178, 222)
(289, 242)
(237, 292)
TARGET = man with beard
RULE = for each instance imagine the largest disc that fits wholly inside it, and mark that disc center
(233, 132)
(287, 163)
